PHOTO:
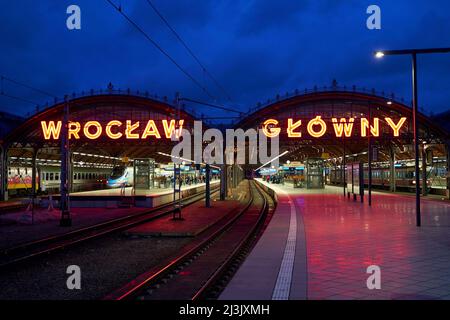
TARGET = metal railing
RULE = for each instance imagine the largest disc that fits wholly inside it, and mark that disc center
(257, 107)
(332, 88)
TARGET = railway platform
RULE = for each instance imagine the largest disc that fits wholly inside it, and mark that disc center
(112, 198)
(23, 226)
(319, 245)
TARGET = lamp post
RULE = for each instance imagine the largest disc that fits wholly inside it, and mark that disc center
(413, 53)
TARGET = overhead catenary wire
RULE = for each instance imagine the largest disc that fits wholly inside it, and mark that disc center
(189, 50)
(212, 105)
(19, 98)
(26, 86)
(137, 27)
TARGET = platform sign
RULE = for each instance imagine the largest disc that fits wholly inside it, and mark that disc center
(144, 173)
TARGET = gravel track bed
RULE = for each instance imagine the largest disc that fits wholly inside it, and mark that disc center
(106, 264)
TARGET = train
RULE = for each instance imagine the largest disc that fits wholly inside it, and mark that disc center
(404, 177)
(120, 176)
(163, 175)
(48, 179)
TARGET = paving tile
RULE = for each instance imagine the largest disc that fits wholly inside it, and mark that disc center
(343, 238)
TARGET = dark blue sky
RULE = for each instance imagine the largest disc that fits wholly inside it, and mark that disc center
(255, 49)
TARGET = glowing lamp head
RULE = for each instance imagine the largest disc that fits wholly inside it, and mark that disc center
(389, 102)
(379, 54)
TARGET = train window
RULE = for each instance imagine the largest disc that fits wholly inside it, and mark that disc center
(26, 170)
(51, 175)
(46, 176)
(56, 176)
(83, 175)
(18, 171)
(74, 176)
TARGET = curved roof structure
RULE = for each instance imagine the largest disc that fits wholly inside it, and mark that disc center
(345, 104)
(101, 108)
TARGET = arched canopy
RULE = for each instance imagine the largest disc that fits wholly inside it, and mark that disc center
(101, 109)
(329, 105)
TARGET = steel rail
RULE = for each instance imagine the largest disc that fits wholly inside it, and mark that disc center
(203, 291)
(133, 289)
(37, 248)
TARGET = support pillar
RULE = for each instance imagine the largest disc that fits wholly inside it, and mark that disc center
(223, 182)
(369, 162)
(70, 173)
(447, 176)
(66, 220)
(344, 181)
(392, 183)
(207, 188)
(4, 173)
(33, 181)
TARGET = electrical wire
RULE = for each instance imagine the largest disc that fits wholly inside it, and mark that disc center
(189, 50)
(137, 27)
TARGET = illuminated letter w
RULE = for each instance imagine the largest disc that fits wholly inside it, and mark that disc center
(343, 126)
(51, 130)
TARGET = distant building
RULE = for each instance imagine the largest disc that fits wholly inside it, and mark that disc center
(8, 122)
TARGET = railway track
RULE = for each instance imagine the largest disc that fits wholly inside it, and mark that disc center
(203, 270)
(25, 252)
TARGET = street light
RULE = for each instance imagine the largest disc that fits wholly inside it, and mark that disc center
(414, 53)
(379, 54)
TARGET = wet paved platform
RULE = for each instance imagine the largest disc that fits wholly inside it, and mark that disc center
(336, 239)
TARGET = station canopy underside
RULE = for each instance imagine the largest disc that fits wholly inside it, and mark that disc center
(102, 150)
(338, 105)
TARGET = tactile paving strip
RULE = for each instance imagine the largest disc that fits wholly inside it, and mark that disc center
(283, 285)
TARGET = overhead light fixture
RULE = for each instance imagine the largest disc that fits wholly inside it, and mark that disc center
(273, 159)
(379, 54)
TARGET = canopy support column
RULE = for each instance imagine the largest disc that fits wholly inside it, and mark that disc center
(4, 172)
(392, 184)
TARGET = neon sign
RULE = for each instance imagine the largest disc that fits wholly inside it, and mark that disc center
(343, 127)
(114, 129)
